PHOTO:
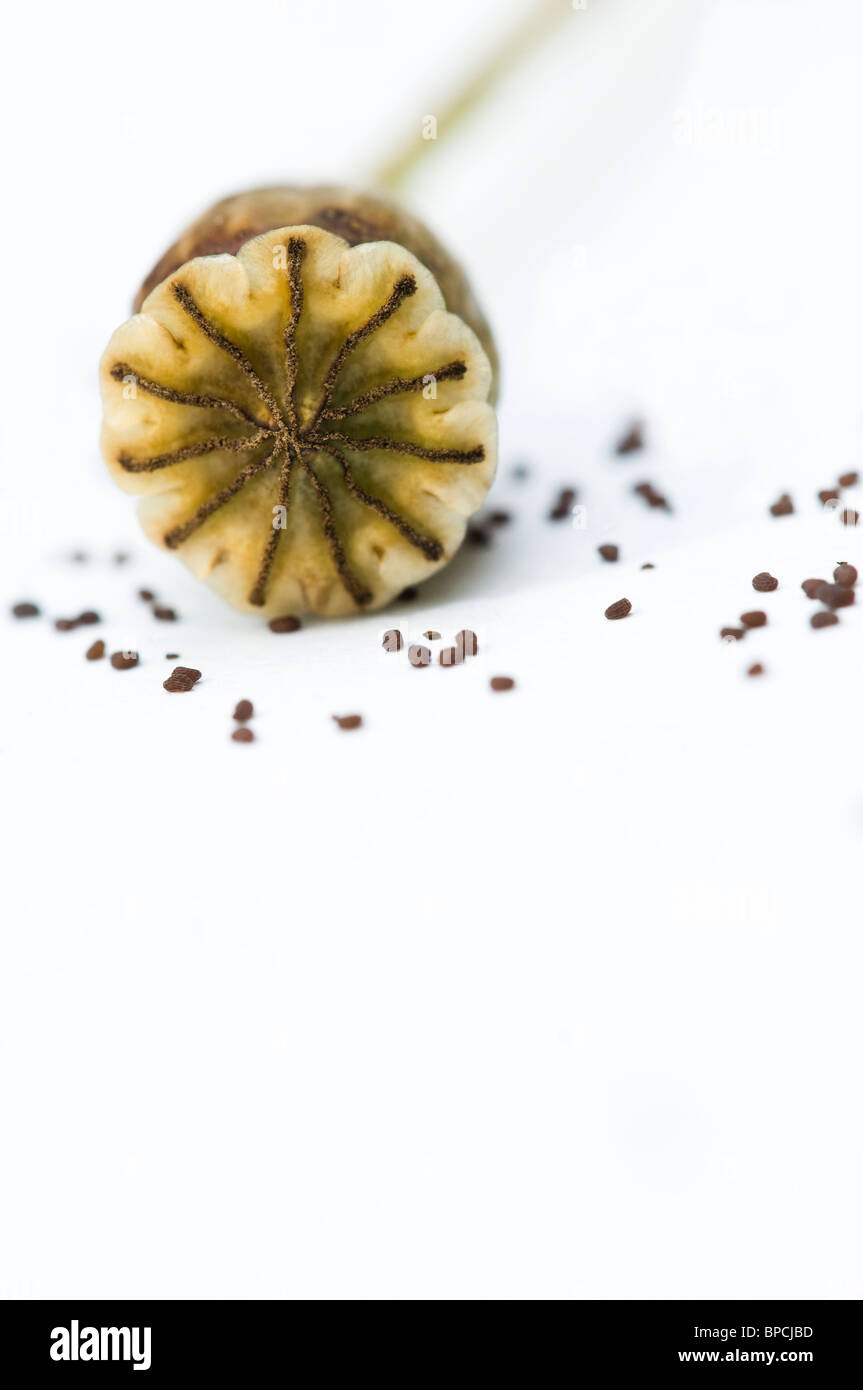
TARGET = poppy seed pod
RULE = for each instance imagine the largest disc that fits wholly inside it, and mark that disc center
(302, 401)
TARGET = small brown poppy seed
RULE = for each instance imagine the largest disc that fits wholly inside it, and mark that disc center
(755, 618)
(845, 574)
(243, 710)
(564, 504)
(287, 623)
(823, 618)
(165, 615)
(732, 634)
(849, 479)
(243, 735)
(124, 661)
(765, 583)
(348, 721)
(96, 652)
(146, 595)
(756, 669)
(501, 683)
(25, 610)
(466, 642)
(783, 506)
(609, 552)
(621, 609)
(835, 595)
(810, 587)
(632, 440)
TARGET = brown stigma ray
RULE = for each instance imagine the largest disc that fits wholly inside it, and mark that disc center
(453, 371)
(404, 287)
(258, 592)
(403, 446)
(121, 371)
(227, 444)
(431, 548)
(178, 534)
(187, 303)
(360, 595)
(296, 252)
(289, 445)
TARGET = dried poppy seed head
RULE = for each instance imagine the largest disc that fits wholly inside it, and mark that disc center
(307, 421)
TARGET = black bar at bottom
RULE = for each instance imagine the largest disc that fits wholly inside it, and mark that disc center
(246, 1339)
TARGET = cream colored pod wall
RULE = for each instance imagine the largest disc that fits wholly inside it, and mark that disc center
(305, 423)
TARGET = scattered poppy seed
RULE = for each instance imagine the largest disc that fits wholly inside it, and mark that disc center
(783, 506)
(84, 619)
(172, 656)
(392, 640)
(147, 595)
(621, 609)
(849, 479)
(348, 721)
(765, 583)
(500, 518)
(835, 595)
(66, 624)
(810, 587)
(188, 673)
(124, 661)
(845, 574)
(732, 634)
(609, 552)
(25, 610)
(648, 566)
(479, 533)
(564, 504)
(501, 683)
(178, 683)
(244, 710)
(165, 615)
(243, 735)
(466, 642)
(632, 440)
(756, 669)
(652, 496)
(823, 618)
(419, 655)
(96, 652)
(756, 618)
(287, 623)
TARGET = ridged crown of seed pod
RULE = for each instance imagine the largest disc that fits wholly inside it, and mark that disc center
(306, 422)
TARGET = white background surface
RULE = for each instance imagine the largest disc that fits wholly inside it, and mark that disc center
(549, 994)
